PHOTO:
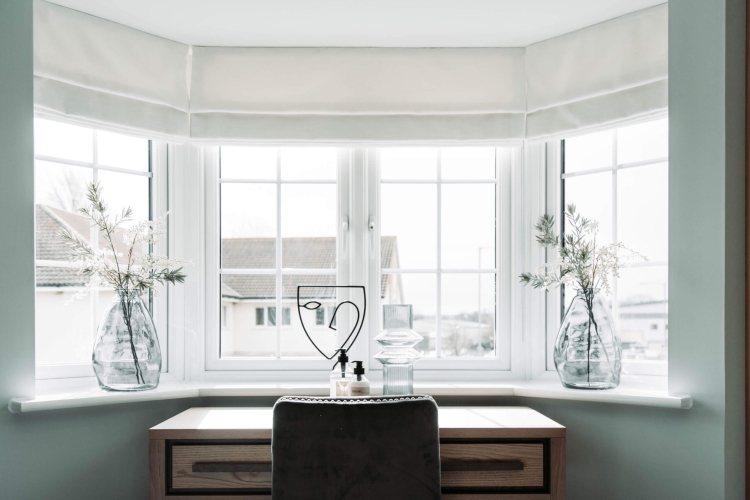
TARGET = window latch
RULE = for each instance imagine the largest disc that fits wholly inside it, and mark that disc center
(345, 234)
(371, 225)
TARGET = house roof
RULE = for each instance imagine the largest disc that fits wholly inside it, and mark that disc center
(236, 253)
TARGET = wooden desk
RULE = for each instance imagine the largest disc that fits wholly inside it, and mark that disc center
(487, 453)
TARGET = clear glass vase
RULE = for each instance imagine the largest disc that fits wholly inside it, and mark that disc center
(126, 354)
(588, 352)
(397, 353)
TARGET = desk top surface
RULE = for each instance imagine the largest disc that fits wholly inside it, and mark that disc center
(454, 422)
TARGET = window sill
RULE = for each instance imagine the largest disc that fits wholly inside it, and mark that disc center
(77, 393)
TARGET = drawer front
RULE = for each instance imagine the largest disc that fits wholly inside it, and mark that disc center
(204, 468)
(490, 466)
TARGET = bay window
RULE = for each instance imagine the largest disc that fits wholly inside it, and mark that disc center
(439, 228)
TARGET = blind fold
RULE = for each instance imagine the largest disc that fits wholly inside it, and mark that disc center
(597, 75)
(102, 74)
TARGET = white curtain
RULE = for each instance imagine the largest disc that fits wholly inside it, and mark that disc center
(102, 74)
(600, 75)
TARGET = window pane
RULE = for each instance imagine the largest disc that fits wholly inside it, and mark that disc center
(408, 163)
(248, 163)
(63, 326)
(409, 213)
(468, 163)
(588, 152)
(468, 226)
(248, 226)
(123, 190)
(643, 321)
(63, 141)
(467, 315)
(286, 316)
(246, 298)
(308, 226)
(60, 186)
(308, 163)
(260, 315)
(644, 141)
(642, 210)
(271, 316)
(419, 290)
(121, 151)
(294, 342)
(592, 196)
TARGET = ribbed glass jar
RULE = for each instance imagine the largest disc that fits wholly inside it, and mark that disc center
(397, 354)
(126, 353)
(588, 352)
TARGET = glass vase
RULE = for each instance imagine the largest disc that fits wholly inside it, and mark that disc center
(397, 354)
(126, 354)
(588, 352)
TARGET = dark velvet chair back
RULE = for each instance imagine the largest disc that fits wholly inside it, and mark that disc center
(374, 448)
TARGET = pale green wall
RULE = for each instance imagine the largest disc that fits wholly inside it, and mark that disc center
(614, 452)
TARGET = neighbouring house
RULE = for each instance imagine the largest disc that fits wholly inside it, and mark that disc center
(249, 315)
(248, 308)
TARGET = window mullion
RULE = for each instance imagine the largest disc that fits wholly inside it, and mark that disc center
(94, 242)
(615, 308)
(279, 284)
(439, 280)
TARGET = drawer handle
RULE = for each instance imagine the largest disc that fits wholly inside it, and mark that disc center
(482, 466)
(231, 467)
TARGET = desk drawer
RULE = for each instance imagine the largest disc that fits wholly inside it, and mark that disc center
(492, 465)
(209, 467)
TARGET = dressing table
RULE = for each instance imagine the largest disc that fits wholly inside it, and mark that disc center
(487, 453)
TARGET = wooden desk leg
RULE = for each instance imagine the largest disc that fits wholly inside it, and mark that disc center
(157, 462)
(557, 469)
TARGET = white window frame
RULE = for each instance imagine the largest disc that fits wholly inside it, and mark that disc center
(359, 263)
(158, 200)
(552, 200)
(502, 365)
(210, 365)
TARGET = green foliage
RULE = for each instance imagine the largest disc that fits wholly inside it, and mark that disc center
(580, 261)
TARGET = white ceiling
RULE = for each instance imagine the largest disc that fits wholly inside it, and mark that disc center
(359, 23)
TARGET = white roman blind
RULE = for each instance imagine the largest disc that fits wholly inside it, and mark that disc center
(598, 76)
(105, 75)
(102, 74)
(356, 94)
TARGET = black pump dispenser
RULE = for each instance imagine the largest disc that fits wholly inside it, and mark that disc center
(359, 369)
(343, 360)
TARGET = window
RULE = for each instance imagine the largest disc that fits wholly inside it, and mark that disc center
(620, 178)
(67, 159)
(278, 230)
(438, 209)
(260, 314)
(291, 216)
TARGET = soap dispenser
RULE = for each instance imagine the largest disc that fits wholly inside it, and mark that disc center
(359, 386)
(341, 376)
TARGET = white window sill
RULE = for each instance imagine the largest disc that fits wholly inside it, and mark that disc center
(76, 393)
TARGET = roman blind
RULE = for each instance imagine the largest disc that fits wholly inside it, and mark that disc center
(105, 75)
(102, 74)
(357, 94)
(598, 76)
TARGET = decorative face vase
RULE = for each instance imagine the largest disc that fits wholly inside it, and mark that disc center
(347, 306)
